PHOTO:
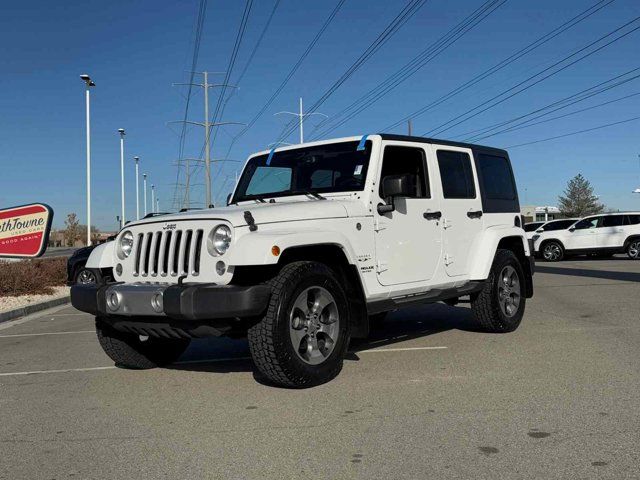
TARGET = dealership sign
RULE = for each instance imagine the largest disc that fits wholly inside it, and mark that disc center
(24, 230)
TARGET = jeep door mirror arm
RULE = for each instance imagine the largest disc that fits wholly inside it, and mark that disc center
(386, 208)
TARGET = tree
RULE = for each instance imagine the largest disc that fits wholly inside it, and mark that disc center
(95, 234)
(72, 231)
(578, 199)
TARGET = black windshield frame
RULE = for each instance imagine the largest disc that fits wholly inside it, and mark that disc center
(343, 157)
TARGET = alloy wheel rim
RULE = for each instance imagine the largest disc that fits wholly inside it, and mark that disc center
(314, 325)
(509, 291)
(86, 277)
(634, 249)
(552, 252)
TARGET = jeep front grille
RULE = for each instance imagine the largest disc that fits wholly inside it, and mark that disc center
(170, 253)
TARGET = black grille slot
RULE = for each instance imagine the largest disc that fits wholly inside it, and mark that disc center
(156, 254)
(138, 251)
(147, 252)
(176, 253)
(187, 251)
(164, 266)
(198, 249)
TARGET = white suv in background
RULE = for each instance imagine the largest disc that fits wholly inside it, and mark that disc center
(600, 235)
(530, 229)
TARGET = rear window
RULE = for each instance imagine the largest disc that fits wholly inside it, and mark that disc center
(632, 220)
(456, 174)
(497, 180)
(613, 221)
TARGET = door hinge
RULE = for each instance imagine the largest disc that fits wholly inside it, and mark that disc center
(446, 223)
(448, 259)
(378, 225)
(382, 267)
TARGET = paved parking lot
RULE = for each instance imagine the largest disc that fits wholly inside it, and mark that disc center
(425, 397)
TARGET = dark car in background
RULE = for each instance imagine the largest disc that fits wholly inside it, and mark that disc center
(76, 267)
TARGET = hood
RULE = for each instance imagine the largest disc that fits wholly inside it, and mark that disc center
(282, 211)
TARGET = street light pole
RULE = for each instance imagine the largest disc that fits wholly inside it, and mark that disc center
(89, 83)
(144, 177)
(153, 198)
(137, 190)
(157, 205)
(122, 215)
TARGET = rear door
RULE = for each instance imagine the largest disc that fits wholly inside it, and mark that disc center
(461, 207)
(611, 233)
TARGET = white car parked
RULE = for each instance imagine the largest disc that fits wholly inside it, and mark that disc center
(315, 239)
(601, 235)
(530, 228)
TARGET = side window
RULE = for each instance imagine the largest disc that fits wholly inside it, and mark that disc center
(632, 220)
(613, 221)
(497, 180)
(587, 223)
(560, 225)
(456, 174)
(269, 180)
(406, 160)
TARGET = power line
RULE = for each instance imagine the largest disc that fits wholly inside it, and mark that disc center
(507, 61)
(558, 104)
(412, 67)
(473, 112)
(405, 14)
(576, 133)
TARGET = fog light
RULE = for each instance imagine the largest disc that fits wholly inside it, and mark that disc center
(157, 303)
(119, 269)
(113, 301)
(221, 268)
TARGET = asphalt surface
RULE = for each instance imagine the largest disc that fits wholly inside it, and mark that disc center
(558, 398)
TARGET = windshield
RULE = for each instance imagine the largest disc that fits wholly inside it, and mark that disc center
(336, 167)
(530, 227)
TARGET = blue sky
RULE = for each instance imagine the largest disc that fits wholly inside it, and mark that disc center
(136, 50)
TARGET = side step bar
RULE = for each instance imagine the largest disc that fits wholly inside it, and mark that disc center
(432, 296)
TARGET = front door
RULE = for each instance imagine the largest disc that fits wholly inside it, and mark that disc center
(461, 207)
(584, 236)
(408, 239)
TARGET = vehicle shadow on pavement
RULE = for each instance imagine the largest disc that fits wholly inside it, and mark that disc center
(583, 272)
(223, 355)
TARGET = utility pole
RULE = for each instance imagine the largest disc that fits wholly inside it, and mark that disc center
(144, 176)
(153, 198)
(301, 116)
(122, 215)
(157, 205)
(137, 190)
(409, 127)
(207, 124)
(89, 83)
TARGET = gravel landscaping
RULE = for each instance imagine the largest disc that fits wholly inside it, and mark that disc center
(12, 303)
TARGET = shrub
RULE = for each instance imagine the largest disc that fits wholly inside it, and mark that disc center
(32, 277)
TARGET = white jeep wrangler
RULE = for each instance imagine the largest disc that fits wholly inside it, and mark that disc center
(316, 239)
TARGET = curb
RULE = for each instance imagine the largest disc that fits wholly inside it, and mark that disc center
(33, 308)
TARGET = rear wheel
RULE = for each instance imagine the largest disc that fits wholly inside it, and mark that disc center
(633, 249)
(499, 307)
(552, 251)
(135, 351)
(303, 337)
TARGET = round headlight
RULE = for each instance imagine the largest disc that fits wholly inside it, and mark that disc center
(219, 240)
(125, 245)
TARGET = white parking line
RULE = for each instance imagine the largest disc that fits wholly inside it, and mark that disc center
(46, 333)
(211, 360)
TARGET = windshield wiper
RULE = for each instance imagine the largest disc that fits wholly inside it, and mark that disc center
(313, 193)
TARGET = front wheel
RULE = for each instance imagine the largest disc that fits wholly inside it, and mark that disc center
(499, 307)
(303, 337)
(128, 350)
(552, 251)
(633, 250)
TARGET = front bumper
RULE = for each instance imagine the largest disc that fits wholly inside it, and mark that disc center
(184, 306)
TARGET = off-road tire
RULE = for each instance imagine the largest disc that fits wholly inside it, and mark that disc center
(269, 340)
(548, 245)
(128, 351)
(485, 305)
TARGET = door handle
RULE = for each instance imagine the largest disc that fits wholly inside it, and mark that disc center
(432, 215)
(476, 214)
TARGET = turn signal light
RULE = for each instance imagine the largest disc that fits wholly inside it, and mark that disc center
(275, 250)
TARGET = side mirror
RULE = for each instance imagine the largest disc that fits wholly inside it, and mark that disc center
(540, 230)
(572, 229)
(228, 199)
(396, 186)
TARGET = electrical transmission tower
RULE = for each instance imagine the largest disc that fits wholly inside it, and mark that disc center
(301, 116)
(207, 124)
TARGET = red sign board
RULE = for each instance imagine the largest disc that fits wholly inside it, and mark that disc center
(24, 230)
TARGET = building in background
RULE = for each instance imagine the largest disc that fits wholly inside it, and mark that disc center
(56, 239)
(532, 213)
